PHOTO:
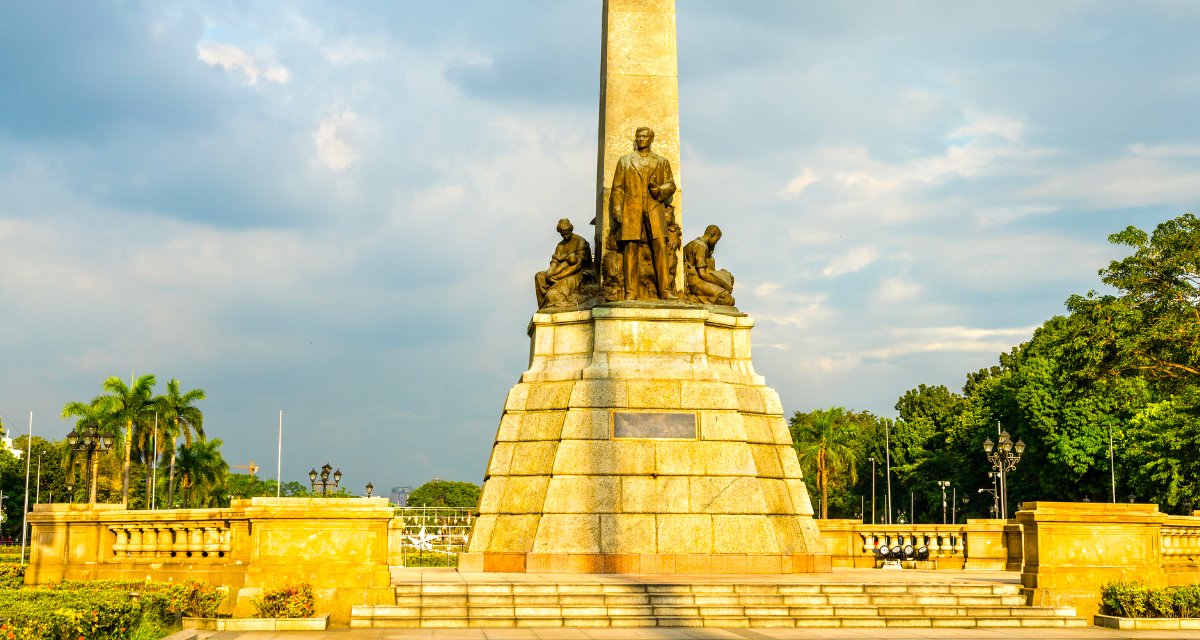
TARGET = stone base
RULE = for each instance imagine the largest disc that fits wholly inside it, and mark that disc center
(643, 563)
(718, 491)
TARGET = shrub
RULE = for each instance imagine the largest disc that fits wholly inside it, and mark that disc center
(1187, 601)
(67, 615)
(1160, 603)
(195, 599)
(12, 576)
(1132, 600)
(289, 601)
(1126, 599)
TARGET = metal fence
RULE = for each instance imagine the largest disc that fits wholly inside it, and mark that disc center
(434, 536)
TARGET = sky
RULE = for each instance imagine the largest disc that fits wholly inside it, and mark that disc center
(335, 209)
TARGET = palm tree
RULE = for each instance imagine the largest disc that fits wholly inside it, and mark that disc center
(200, 464)
(824, 444)
(179, 416)
(98, 411)
(129, 406)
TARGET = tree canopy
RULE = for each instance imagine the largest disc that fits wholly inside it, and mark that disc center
(1123, 364)
(445, 493)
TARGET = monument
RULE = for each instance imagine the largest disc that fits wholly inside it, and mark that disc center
(640, 440)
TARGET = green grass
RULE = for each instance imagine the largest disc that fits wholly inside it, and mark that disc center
(420, 559)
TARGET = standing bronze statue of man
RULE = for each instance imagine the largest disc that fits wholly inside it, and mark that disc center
(642, 186)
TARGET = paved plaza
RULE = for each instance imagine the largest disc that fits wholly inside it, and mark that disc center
(1089, 633)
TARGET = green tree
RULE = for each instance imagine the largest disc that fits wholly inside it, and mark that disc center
(826, 444)
(445, 493)
(99, 412)
(131, 406)
(179, 414)
(201, 469)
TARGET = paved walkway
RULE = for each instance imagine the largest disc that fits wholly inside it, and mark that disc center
(1089, 633)
(403, 575)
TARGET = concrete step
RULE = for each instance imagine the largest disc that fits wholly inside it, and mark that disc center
(711, 605)
(722, 621)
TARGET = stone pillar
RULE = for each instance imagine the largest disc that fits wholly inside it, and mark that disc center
(639, 87)
(1073, 548)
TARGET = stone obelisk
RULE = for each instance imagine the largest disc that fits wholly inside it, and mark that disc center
(640, 439)
(639, 87)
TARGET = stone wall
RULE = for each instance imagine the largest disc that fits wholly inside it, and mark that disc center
(340, 546)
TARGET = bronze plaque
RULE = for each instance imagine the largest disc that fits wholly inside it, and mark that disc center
(653, 425)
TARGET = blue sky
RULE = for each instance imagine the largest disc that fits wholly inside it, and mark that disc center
(336, 209)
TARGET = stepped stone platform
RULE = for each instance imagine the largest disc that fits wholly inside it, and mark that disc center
(846, 599)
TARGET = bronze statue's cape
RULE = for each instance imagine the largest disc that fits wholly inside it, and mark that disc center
(632, 206)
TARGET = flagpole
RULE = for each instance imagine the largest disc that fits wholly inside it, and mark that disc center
(25, 516)
(154, 465)
(279, 460)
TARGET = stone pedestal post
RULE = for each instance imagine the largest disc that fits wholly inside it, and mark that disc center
(1073, 548)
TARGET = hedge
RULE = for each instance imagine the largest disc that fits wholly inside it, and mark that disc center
(1129, 599)
(289, 601)
(12, 576)
(101, 609)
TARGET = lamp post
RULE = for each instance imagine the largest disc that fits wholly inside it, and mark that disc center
(872, 490)
(370, 488)
(1007, 455)
(325, 485)
(995, 494)
(943, 484)
(92, 442)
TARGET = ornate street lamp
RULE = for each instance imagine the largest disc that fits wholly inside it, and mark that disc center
(91, 442)
(370, 488)
(1007, 455)
(325, 485)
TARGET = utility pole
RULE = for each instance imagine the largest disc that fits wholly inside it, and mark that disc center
(1112, 467)
(887, 443)
(872, 490)
(25, 512)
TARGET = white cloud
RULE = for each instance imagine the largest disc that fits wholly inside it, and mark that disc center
(895, 290)
(853, 260)
(332, 147)
(797, 185)
(232, 58)
(905, 341)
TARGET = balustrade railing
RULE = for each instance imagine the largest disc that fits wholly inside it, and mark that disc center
(1179, 540)
(940, 544)
(198, 541)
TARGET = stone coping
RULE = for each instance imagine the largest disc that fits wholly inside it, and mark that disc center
(319, 623)
(420, 575)
(1147, 624)
(622, 563)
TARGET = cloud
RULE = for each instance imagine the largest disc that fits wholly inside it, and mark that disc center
(896, 290)
(853, 260)
(332, 147)
(235, 59)
(796, 186)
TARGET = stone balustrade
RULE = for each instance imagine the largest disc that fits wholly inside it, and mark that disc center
(340, 546)
(1180, 549)
(154, 542)
(978, 544)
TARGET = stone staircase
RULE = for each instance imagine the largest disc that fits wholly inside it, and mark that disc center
(505, 604)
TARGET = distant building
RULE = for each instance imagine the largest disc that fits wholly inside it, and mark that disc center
(7, 443)
(400, 495)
